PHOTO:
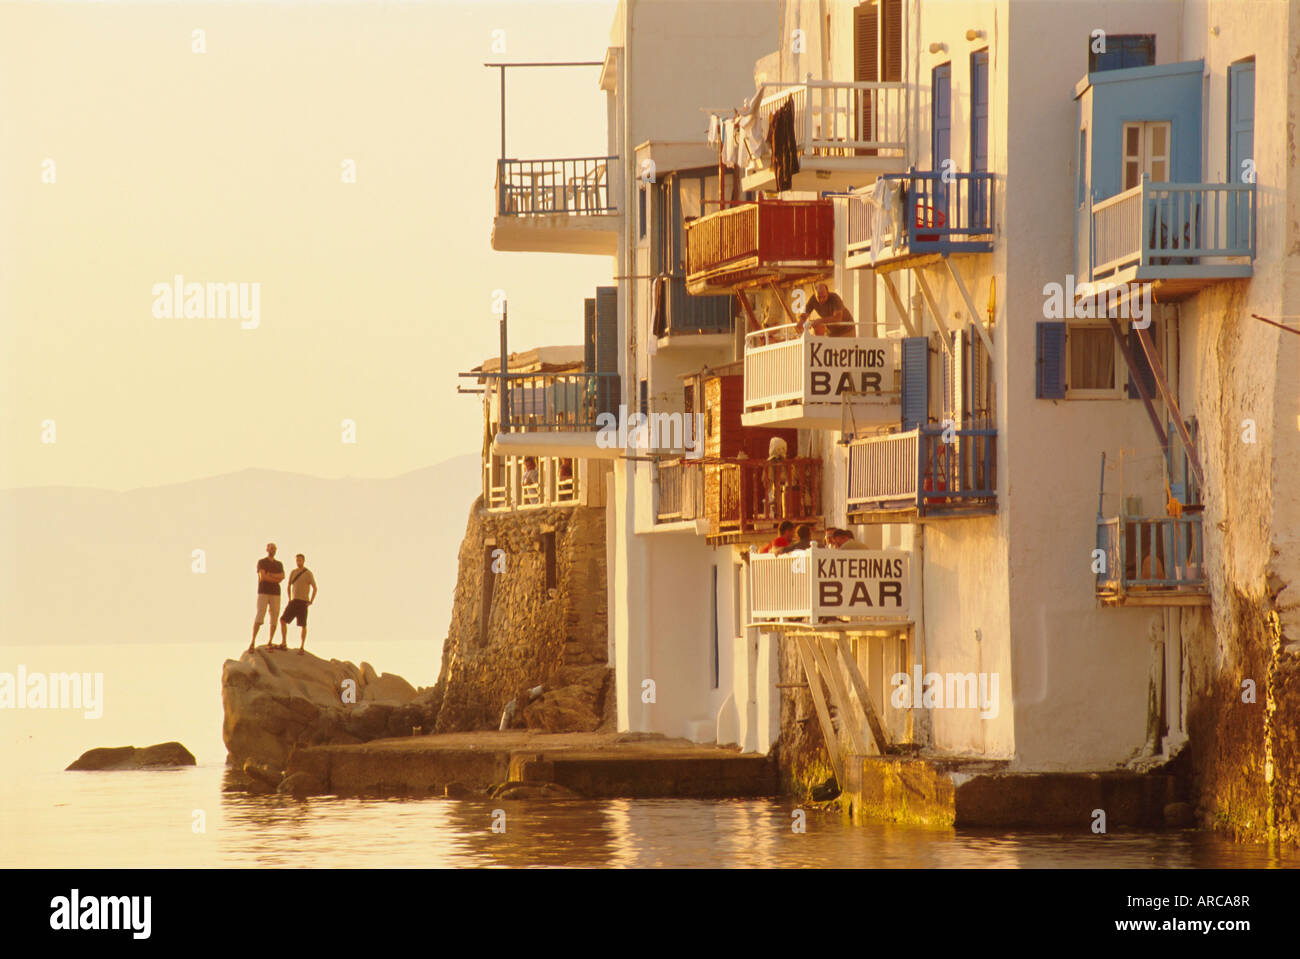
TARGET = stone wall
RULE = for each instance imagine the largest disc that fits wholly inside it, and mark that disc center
(534, 635)
(802, 759)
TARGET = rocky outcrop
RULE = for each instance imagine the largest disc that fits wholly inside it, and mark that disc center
(274, 700)
(161, 756)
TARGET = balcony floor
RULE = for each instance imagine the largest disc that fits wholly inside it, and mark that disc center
(820, 416)
(837, 174)
(595, 234)
(906, 259)
(576, 445)
(1155, 596)
(934, 512)
(1173, 282)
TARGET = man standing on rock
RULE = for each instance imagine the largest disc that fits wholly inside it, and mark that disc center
(302, 592)
(269, 573)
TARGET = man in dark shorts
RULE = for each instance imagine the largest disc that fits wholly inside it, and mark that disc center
(832, 316)
(302, 591)
(269, 573)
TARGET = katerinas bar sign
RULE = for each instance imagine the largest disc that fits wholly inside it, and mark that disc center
(852, 584)
(836, 366)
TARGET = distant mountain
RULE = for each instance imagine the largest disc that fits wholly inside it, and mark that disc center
(88, 565)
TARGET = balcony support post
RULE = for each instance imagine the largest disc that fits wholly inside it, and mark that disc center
(934, 311)
(781, 299)
(754, 326)
(503, 391)
(1163, 385)
(838, 695)
(819, 701)
(860, 687)
(970, 305)
(1131, 363)
(897, 300)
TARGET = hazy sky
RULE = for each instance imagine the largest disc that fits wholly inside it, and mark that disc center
(227, 166)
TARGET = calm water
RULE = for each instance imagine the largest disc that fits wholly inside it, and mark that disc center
(155, 693)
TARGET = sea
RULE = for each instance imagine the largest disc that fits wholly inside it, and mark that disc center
(184, 818)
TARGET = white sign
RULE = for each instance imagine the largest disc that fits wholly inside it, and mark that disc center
(861, 367)
(861, 583)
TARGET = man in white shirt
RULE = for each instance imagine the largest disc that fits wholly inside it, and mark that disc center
(302, 592)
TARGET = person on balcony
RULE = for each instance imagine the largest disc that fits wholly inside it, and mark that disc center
(837, 538)
(803, 540)
(781, 540)
(530, 487)
(832, 316)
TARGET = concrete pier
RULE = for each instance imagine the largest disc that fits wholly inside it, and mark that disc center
(592, 765)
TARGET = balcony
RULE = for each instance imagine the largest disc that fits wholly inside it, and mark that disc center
(681, 491)
(747, 499)
(783, 241)
(1152, 561)
(846, 134)
(807, 381)
(1181, 236)
(682, 321)
(822, 585)
(922, 474)
(512, 482)
(556, 206)
(552, 414)
(924, 218)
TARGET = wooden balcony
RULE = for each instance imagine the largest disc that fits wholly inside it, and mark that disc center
(846, 133)
(935, 216)
(509, 482)
(1180, 236)
(1152, 561)
(783, 241)
(923, 474)
(820, 584)
(747, 499)
(806, 381)
(563, 205)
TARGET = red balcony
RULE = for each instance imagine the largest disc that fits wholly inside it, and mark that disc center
(747, 499)
(782, 241)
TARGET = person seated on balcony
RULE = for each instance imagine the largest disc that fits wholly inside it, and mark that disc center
(803, 540)
(530, 479)
(832, 316)
(837, 538)
(566, 470)
(782, 538)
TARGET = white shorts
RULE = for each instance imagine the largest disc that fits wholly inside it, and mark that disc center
(265, 600)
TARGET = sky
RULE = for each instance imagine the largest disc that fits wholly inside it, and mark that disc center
(127, 158)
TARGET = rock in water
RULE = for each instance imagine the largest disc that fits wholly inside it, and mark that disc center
(301, 785)
(273, 701)
(161, 756)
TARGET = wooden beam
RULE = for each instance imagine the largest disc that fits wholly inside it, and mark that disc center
(860, 687)
(754, 326)
(1163, 385)
(823, 714)
(970, 305)
(1131, 363)
(781, 299)
(934, 311)
(898, 304)
(839, 696)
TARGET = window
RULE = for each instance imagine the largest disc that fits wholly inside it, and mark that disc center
(1091, 362)
(1121, 51)
(643, 202)
(548, 548)
(713, 651)
(1081, 191)
(1146, 150)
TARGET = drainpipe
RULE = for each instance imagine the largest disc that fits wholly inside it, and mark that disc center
(918, 554)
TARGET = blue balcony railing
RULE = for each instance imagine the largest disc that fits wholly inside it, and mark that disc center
(569, 402)
(937, 213)
(577, 186)
(931, 470)
(1151, 555)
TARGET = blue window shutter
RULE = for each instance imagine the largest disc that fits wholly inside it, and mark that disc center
(607, 390)
(1051, 361)
(916, 381)
(1144, 368)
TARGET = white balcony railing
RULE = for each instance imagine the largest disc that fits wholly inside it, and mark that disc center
(838, 118)
(821, 370)
(518, 482)
(831, 584)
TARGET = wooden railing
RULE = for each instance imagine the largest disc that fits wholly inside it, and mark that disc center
(759, 233)
(1151, 553)
(1168, 224)
(513, 482)
(931, 469)
(940, 212)
(554, 401)
(681, 490)
(746, 496)
(579, 186)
